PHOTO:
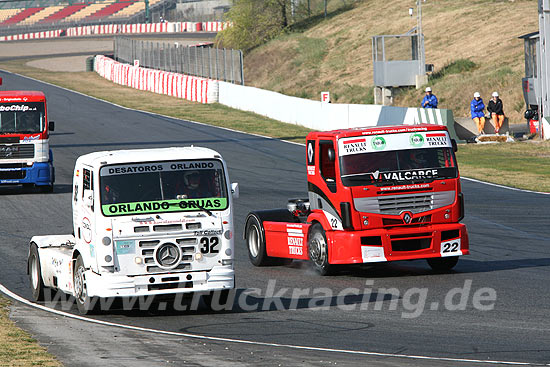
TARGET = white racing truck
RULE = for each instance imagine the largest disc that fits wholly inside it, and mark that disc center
(146, 222)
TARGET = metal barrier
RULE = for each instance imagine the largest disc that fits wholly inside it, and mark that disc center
(207, 62)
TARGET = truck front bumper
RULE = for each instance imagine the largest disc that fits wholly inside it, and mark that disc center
(40, 173)
(113, 285)
(405, 243)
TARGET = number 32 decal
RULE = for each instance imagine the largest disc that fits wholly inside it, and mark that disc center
(208, 245)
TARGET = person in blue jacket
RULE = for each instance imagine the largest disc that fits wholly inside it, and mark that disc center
(476, 108)
(429, 100)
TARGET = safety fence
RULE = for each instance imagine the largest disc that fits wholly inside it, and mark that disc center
(104, 29)
(206, 62)
(157, 81)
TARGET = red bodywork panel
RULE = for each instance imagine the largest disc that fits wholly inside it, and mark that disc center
(357, 229)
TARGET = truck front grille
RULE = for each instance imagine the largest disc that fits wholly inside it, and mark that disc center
(149, 248)
(16, 151)
(397, 204)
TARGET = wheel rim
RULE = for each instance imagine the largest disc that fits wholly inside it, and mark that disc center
(80, 285)
(318, 249)
(34, 272)
(254, 241)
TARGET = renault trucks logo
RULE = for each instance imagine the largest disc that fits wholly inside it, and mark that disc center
(416, 140)
(407, 217)
(378, 143)
(168, 255)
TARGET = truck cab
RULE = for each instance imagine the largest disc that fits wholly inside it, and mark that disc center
(146, 222)
(25, 155)
(374, 195)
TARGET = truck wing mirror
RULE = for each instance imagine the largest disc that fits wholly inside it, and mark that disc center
(88, 198)
(235, 190)
(0, 81)
(331, 155)
(52, 125)
(455, 146)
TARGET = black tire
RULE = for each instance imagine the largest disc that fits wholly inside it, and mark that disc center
(216, 302)
(317, 248)
(35, 274)
(84, 303)
(442, 264)
(255, 243)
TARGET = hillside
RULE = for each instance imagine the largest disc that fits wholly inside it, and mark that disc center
(473, 45)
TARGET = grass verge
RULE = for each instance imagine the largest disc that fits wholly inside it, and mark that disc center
(17, 347)
(524, 165)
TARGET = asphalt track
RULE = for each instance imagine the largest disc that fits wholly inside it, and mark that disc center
(398, 314)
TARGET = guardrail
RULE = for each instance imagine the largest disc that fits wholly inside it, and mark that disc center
(207, 62)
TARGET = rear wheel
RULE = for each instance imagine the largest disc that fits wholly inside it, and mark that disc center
(84, 302)
(35, 274)
(441, 264)
(256, 243)
(318, 250)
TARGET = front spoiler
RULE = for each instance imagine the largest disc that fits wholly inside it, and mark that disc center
(379, 245)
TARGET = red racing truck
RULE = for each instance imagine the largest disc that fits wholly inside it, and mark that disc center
(375, 194)
(25, 155)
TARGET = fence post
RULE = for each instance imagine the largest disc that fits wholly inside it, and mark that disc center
(224, 67)
(232, 68)
(242, 66)
(209, 63)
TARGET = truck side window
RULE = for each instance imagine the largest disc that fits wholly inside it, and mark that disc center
(86, 180)
(327, 164)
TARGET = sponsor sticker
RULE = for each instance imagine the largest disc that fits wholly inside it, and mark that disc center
(378, 143)
(295, 239)
(125, 247)
(416, 140)
(164, 206)
(158, 167)
(372, 254)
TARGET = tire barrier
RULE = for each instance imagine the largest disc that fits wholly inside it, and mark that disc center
(101, 29)
(187, 87)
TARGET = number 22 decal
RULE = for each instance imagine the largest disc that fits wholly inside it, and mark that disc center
(334, 222)
(450, 247)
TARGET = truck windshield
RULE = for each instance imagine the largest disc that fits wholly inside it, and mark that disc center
(398, 166)
(22, 118)
(157, 187)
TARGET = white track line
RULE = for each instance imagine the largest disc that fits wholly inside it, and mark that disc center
(505, 187)
(18, 298)
(239, 341)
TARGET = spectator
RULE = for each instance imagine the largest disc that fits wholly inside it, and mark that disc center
(429, 100)
(476, 108)
(495, 109)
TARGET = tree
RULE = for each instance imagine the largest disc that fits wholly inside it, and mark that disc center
(255, 22)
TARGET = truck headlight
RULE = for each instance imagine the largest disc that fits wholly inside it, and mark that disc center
(198, 256)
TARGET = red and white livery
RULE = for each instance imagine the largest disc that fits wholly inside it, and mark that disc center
(375, 195)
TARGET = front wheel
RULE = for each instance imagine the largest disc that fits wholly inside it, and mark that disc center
(35, 274)
(442, 264)
(318, 250)
(84, 302)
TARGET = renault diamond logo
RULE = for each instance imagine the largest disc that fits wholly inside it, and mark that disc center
(407, 217)
(310, 153)
(168, 255)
